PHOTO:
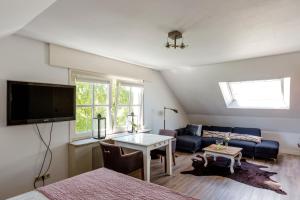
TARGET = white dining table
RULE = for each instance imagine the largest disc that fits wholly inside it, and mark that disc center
(146, 142)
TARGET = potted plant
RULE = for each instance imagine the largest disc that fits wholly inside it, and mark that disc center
(226, 140)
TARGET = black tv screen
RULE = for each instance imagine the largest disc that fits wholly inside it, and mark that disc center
(29, 103)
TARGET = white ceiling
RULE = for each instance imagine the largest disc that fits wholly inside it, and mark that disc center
(14, 14)
(135, 30)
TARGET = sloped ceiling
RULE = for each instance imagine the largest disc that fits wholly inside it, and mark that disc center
(198, 91)
(216, 31)
(14, 14)
(135, 30)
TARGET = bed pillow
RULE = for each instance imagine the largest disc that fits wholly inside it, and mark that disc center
(245, 137)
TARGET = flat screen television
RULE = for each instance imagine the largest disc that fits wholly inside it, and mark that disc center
(30, 103)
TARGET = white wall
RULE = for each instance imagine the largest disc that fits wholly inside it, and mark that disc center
(157, 93)
(21, 151)
(198, 91)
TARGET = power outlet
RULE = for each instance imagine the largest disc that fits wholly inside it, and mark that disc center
(46, 176)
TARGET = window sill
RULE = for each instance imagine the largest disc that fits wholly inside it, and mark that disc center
(84, 142)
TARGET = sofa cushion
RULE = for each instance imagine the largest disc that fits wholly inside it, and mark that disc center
(207, 141)
(191, 129)
(215, 134)
(249, 131)
(188, 143)
(248, 147)
(220, 128)
(245, 137)
(267, 149)
(205, 128)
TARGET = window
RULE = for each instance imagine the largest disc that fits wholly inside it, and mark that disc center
(108, 96)
(260, 94)
(92, 98)
(129, 99)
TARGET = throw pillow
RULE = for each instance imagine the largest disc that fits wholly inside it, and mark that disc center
(245, 137)
(191, 129)
(199, 129)
(215, 134)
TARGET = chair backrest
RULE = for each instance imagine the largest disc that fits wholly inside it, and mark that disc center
(169, 133)
(111, 154)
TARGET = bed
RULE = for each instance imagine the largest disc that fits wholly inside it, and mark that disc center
(102, 184)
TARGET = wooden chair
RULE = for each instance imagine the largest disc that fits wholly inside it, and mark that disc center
(115, 159)
(162, 151)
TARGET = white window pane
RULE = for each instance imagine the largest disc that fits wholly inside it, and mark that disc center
(122, 113)
(287, 85)
(101, 94)
(84, 94)
(262, 94)
(92, 94)
(226, 92)
(136, 95)
(124, 95)
(83, 119)
(137, 112)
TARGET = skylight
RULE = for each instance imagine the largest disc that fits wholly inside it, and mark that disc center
(259, 94)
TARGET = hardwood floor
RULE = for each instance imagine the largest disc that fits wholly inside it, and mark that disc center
(214, 188)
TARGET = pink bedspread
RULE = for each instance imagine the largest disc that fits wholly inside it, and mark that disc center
(108, 185)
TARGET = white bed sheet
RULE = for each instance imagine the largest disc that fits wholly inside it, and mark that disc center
(33, 195)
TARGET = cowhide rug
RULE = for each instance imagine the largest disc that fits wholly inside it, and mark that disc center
(247, 173)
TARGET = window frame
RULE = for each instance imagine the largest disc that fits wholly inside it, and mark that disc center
(130, 105)
(91, 78)
(231, 102)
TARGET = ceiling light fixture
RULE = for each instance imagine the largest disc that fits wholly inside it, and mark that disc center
(175, 36)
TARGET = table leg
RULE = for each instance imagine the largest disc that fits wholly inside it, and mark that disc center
(205, 159)
(231, 165)
(169, 157)
(239, 159)
(147, 160)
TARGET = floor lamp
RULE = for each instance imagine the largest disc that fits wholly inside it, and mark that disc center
(166, 108)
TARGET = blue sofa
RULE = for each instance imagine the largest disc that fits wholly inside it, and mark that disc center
(190, 139)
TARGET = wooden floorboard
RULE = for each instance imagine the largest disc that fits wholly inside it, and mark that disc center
(215, 187)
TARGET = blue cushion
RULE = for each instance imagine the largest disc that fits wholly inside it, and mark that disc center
(188, 143)
(248, 147)
(249, 131)
(191, 129)
(267, 149)
(206, 141)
